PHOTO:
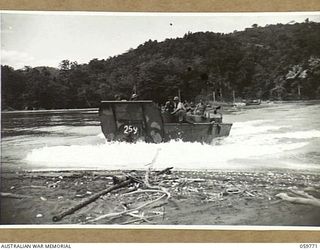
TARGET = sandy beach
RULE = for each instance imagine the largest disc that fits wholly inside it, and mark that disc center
(214, 197)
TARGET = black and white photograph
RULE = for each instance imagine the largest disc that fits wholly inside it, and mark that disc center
(163, 120)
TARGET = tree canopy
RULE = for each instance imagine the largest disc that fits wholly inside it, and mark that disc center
(272, 62)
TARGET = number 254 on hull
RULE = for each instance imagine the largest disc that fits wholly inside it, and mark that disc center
(133, 121)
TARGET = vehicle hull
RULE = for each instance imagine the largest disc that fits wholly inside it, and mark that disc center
(196, 132)
(143, 121)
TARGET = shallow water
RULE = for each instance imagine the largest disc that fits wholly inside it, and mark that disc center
(268, 136)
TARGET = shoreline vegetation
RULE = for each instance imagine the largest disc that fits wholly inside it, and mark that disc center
(162, 197)
(275, 62)
(223, 104)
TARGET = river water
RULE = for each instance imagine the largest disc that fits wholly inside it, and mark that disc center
(268, 136)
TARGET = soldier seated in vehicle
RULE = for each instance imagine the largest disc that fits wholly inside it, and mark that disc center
(200, 108)
(167, 109)
(117, 97)
(169, 106)
(134, 97)
(215, 116)
(179, 109)
(187, 106)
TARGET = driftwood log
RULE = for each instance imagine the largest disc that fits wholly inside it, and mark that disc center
(303, 199)
(90, 199)
(14, 196)
(165, 171)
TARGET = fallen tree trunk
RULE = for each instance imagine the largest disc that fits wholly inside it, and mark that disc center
(90, 199)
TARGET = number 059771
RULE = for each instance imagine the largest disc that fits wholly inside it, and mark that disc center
(309, 245)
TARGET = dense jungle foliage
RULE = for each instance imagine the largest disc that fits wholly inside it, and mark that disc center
(275, 62)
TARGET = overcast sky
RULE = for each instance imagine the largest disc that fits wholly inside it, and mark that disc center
(45, 39)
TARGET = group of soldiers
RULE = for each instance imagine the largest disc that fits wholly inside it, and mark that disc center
(176, 108)
(180, 109)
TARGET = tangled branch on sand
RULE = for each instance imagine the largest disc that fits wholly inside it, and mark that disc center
(150, 189)
(130, 211)
(125, 181)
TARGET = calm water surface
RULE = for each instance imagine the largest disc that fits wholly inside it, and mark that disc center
(269, 136)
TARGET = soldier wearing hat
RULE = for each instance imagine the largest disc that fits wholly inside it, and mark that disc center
(134, 97)
(179, 109)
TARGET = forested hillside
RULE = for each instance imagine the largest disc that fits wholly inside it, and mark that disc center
(272, 62)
